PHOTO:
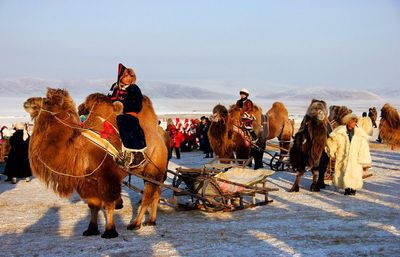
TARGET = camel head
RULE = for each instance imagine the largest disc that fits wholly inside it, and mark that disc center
(101, 104)
(219, 113)
(33, 106)
(317, 110)
(56, 100)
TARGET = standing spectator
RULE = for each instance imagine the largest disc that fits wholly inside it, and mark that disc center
(17, 165)
(348, 145)
(176, 139)
(204, 142)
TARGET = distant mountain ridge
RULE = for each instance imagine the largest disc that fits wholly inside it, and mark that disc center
(322, 93)
(82, 88)
(26, 87)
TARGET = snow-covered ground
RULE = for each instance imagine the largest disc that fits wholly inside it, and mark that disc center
(35, 222)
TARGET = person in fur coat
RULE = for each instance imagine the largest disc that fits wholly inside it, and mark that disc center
(348, 146)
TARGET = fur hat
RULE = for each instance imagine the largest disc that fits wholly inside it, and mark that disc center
(244, 91)
(349, 117)
(122, 69)
(19, 125)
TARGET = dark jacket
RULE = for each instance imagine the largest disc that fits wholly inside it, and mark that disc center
(131, 97)
(18, 162)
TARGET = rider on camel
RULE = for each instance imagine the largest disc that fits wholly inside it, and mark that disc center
(247, 107)
(129, 94)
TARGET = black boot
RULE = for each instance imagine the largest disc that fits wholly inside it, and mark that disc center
(352, 191)
(347, 191)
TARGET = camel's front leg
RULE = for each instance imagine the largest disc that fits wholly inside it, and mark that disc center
(94, 205)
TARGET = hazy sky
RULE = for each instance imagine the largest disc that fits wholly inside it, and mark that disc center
(354, 44)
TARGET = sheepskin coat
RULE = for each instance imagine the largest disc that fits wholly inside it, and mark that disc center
(366, 124)
(350, 157)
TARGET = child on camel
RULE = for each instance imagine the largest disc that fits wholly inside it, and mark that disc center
(129, 94)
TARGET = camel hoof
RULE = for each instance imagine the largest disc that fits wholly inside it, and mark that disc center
(91, 231)
(149, 223)
(110, 233)
(295, 188)
(133, 227)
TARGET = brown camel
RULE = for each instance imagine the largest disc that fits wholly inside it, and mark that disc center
(66, 161)
(309, 143)
(279, 126)
(389, 126)
(102, 110)
(226, 132)
(223, 140)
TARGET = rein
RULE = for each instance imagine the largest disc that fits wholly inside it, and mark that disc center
(73, 176)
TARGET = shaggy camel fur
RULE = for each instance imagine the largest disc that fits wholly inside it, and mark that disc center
(101, 108)
(389, 126)
(309, 143)
(225, 139)
(62, 158)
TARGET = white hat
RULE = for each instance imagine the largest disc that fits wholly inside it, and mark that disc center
(245, 91)
(348, 117)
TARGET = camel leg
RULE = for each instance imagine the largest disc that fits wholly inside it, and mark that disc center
(314, 186)
(147, 198)
(94, 205)
(296, 187)
(153, 208)
(110, 231)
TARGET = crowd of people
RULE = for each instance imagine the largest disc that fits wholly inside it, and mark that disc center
(189, 135)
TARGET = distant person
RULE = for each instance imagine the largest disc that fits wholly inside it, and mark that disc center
(348, 146)
(204, 141)
(365, 123)
(17, 165)
(176, 139)
(244, 97)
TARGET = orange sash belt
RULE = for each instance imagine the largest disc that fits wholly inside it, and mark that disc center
(134, 114)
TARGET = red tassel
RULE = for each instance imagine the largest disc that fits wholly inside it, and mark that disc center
(108, 130)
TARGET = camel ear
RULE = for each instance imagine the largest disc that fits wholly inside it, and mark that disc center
(118, 107)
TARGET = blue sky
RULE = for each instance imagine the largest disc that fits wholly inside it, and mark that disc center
(352, 44)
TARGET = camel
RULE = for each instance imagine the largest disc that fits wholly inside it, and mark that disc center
(279, 126)
(66, 161)
(389, 126)
(101, 110)
(223, 140)
(309, 143)
(227, 137)
(373, 114)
